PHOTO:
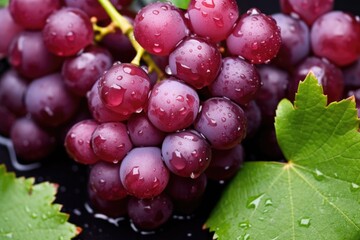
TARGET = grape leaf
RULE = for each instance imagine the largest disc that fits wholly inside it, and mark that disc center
(4, 3)
(316, 194)
(27, 212)
(183, 4)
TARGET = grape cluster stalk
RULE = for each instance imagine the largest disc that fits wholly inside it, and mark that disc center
(161, 101)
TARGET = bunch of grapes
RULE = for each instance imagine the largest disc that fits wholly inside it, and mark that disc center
(159, 102)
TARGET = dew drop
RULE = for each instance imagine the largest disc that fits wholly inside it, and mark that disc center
(318, 175)
(268, 202)
(70, 36)
(354, 187)
(304, 222)
(9, 235)
(254, 201)
(245, 224)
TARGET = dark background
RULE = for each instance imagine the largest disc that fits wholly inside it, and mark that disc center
(72, 177)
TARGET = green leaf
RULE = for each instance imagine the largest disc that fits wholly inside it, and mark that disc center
(4, 3)
(27, 212)
(183, 4)
(316, 194)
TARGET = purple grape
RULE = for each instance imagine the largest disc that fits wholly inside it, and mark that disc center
(12, 92)
(144, 179)
(308, 11)
(256, 37)
(149, 214)
(7, 120)
(327, 74)
(111, 142)
(124, 88)
(67, 31)
(336, 36)
(213, 19)
(99, 111)
(253, 118)
(82, 71)
(196, 62)
(142, 132)
(222, 122)
(30, 57)
(275, 83)
(172, 105)
(238, 80)
(352, 76)
(104, 181)
(295, 41)
(49, 102)
(183, 189)
(9, 29)
(32, 14)
(225, 163)
(31, 142)
(159, 27)
(186, 153)
(78, 142)
(111, 208)
(93, 7)
(119, 46)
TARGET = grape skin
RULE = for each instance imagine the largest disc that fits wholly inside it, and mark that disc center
(186, 153)
(67, 31)
(144, 179)
(222, 122)
(172, 105)
(110, 141)
(159, 27)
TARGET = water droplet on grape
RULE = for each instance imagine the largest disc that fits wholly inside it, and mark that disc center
(70, 36)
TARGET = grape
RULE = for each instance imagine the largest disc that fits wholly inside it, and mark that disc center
(104, 181)
(7, 120)
(110, 141)
(31, 142)
(142, 132)
(49, 102)
(352, 76)
(238, 80)
(275, 84)
(158, 27)
(93, 7)
(172, 105)
(67, 31)
(336, 36)
(308, 11)
(99, 111)
(327, 74)
(111, 208)
(256, 37)
(195, 61)
(32, 15)
(119, 46)
(151, 213)
(186, 153)
(12, 92)
(225, 163)
(9, 29)
(222, 122)
(82, 71)
(124, 88)
(78, 142)
(295, 40)
(185, 190)
(30, 57)
(253, 118)
(213, 19)
(144, 179)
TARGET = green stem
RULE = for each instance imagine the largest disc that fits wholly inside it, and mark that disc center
(128, 30)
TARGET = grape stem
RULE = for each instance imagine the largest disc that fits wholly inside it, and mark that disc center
(127, 29)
